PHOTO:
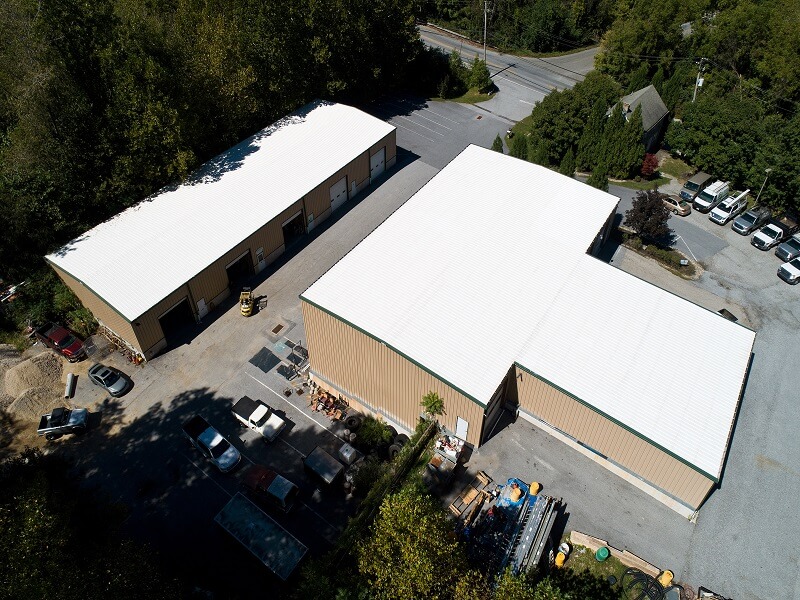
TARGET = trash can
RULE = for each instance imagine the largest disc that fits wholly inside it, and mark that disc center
(601, 554)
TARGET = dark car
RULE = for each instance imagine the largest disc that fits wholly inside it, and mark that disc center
(115, 382)
(790, 249)
(748, 222)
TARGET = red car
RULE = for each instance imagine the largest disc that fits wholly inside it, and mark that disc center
(62, 340)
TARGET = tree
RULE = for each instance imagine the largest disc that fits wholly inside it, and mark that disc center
(539, 151)
(649, 165)
(433, 404)
(631, 159)
(567, 166)
(590, 144)
(497, 144)
(519, 147)
(599, 177)
(412, 552)
(612, 147)
(479, 74)
(648, 216)
(48, 520)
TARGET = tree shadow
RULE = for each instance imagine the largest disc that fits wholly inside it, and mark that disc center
(170, 494)
(10, 429)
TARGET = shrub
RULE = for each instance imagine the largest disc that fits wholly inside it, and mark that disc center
(373, 433)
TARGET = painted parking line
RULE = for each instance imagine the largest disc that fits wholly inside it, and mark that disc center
(414, 132)
(292, 447)
(292, 404)
(416, 114)
(206, 475)
(420, 125)
(321, 518)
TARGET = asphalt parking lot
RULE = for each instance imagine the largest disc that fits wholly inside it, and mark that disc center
(741, 545)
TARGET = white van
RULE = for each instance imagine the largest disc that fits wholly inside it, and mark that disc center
(711, 196)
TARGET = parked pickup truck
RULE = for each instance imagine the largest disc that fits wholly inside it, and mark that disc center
(265, 486)
(775, 232)
(62, 340)
(259, 417)
(211, 443)
(63, 421)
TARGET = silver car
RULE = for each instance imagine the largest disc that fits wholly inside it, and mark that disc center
(790, 249)
(748, 222)
(115, 382)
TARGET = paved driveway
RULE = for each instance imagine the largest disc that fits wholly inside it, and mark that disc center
(741, 545)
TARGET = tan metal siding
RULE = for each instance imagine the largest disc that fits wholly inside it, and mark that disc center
(390, 143)
(367, 369)
(147, 327)
(611, 440)
(99, 308)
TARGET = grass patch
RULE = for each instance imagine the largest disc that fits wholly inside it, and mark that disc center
(582, 559)
(676, 168)
(20, 341)
(669, 258)
(472, 96)
(523, 127)
(644, 184)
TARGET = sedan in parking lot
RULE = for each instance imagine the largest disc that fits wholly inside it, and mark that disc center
(751, 220)
(790, 271)
(115, 382)
(677, 205)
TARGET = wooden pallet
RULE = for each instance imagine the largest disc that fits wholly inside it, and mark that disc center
(474, 489)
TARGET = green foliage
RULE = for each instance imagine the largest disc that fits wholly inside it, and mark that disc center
(599, 177)
(479, 74)
(539, 151)
(567, 166)
(497, 144)
(473, 585)
(433, 404)
(369, 472)
(412, 552)
(519, 147)
(648, 215)
(591, 139)
(373, 432)
(48, 521)
(538, 26)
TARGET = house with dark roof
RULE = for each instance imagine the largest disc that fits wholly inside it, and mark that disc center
(654, 115)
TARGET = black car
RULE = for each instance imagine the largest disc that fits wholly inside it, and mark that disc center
(748, 222)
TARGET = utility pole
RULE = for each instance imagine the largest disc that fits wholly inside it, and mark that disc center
(485, 13)
(699, 81)
(767, 171)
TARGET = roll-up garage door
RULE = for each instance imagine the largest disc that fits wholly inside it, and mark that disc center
(377, 163)
(339, 193)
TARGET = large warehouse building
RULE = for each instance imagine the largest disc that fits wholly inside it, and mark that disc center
(483, 288)
(166, 262)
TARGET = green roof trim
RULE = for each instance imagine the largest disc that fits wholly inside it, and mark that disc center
(621, 424)
(395, 350)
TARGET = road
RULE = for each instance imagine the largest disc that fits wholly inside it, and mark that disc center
(521, 81)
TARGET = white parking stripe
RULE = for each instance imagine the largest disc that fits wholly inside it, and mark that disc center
(423, 117)
(207, 475)
(420, 125)
(292, 447)
(321, 518)
(412, 131)
(302, 412)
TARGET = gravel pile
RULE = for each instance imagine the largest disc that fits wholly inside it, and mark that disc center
(9, 357)
(41, 371)
(35, 402)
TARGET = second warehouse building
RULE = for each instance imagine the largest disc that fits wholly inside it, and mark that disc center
(162, 265)
(484, 288)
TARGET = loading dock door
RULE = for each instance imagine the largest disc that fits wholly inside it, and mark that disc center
(339, 193)
(377, 163)
(240, 269)
(177, 320)
(293, 229)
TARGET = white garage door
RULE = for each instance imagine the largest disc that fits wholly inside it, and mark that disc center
(377, 163)
(338, 193)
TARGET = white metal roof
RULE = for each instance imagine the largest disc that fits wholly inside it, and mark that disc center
(143, 254)
(486, 266)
